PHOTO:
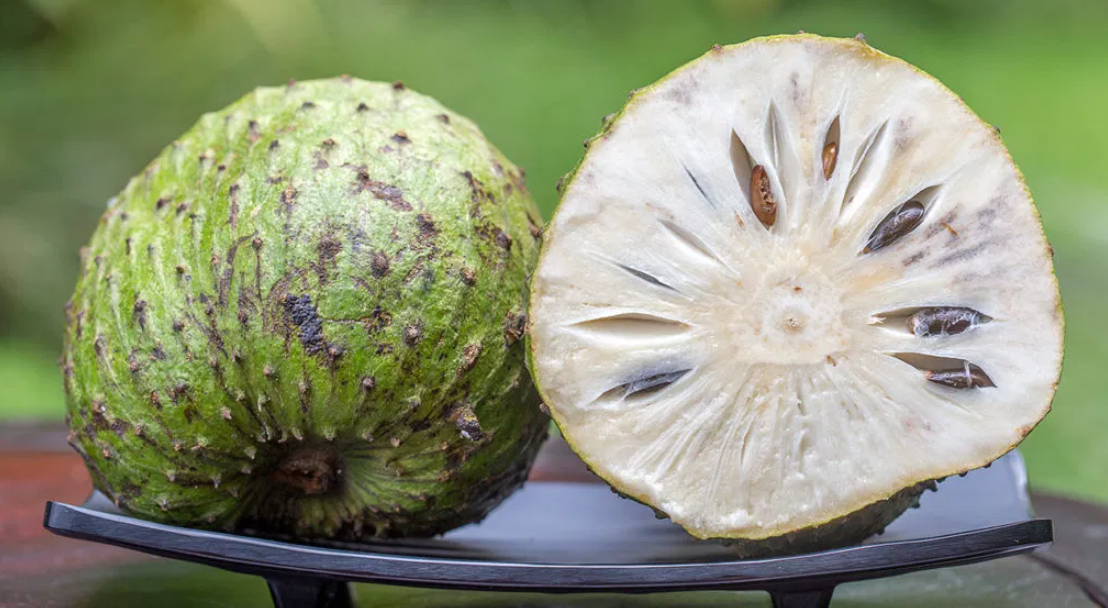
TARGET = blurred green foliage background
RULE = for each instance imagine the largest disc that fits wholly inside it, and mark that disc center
(91, 90)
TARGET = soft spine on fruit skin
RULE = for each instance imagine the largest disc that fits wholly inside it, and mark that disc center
(304, 318)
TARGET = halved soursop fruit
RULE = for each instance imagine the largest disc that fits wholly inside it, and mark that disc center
(788, 286)
(305, 318)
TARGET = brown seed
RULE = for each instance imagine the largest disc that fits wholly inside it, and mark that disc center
(830, 157)
(897, 223)
(943, 321)
(967, 376)
(761, 197)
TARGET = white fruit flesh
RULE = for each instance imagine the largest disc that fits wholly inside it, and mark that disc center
(752, 381)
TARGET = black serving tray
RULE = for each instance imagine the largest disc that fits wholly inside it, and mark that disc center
(577, 537)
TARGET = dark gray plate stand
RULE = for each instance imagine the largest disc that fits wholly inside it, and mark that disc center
(566, 538)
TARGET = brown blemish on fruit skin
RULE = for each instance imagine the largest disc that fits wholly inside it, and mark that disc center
(288, 199)
(503, 240)
(515, 324)
(478, 193)
(328, 249)
(470, 355)
(379, 265)
(132, 362)
(381, 191)
(139, 313)
(413, 334)
(378, 320)
(178, 391)
(463, 417)
(426, 225)
(534, 228)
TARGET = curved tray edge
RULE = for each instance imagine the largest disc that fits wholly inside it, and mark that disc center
(274, 558)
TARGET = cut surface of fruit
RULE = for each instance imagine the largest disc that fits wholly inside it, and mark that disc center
(791, 282)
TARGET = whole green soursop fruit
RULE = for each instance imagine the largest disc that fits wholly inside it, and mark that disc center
(790, 285)
(306, 317)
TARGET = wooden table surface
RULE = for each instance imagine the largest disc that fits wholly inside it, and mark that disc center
(38, 569)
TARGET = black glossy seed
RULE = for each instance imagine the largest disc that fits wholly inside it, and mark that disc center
(943, 321)
(897, 223)
(968, 376)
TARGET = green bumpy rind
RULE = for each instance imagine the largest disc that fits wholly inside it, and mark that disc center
(305, 317)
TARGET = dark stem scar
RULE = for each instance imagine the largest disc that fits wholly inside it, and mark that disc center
(310, 469)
